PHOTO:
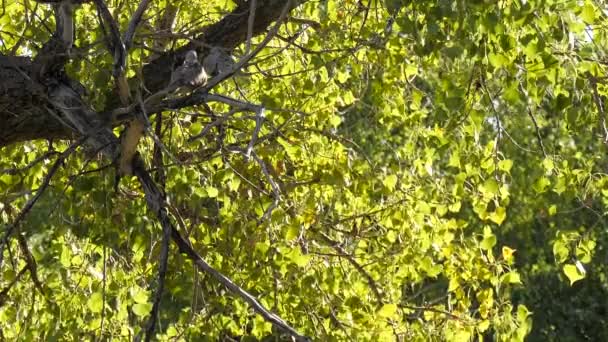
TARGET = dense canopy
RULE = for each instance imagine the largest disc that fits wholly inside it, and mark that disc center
(344, 170)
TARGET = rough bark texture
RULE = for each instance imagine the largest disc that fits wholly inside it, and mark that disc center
(25, 112)
(33, 107)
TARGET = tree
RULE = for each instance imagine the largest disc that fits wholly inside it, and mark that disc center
(350, 170)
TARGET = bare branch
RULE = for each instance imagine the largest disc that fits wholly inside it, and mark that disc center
(252, 7)
(275, 188)
(135, 20)
(259, 119)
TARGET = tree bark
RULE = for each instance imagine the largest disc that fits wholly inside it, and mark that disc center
(25, 112)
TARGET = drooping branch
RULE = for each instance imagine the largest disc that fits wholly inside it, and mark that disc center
(155, 202)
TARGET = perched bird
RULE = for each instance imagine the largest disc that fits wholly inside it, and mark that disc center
(218, 61)
(190, 74)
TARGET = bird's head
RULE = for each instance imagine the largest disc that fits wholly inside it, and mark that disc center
(191, 57)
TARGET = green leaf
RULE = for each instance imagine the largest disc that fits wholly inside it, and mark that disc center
(573, 273)
(548, 164)
(489, 188)
(552, 210)
(498, 216)
(95, 302)
(390, 182)
(489, 239)
(588, 13)
(541, 185)
(387, 311)
(512, 278)
(560, 250)
(142, 309)
(335, 120)
(301, 260)
(212, 192)
(505, 165)
(139, 295)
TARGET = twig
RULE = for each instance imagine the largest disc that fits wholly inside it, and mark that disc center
(14, 171)
(423, 308)
(600, 107)
(250, 22)
(275, 188)
(212, 124)
(370, 281)
(538, 136)
(30, 263)
(259, 118)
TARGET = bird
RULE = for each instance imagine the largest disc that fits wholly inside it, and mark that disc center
(190, 74)
(217, 62)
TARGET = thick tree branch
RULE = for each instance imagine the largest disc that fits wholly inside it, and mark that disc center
(228, 33)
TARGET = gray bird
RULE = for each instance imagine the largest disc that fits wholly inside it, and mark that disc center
(187, 77)
(190, 74)
(218, 61)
